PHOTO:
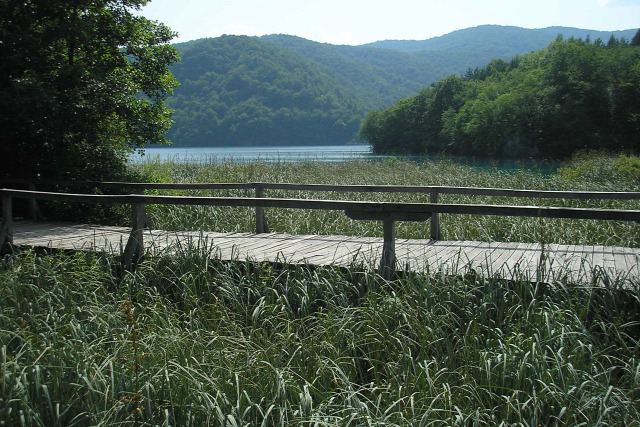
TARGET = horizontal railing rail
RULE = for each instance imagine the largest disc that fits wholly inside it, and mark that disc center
(352, 188)
(387, 212)
(368, 206)
(260, 187)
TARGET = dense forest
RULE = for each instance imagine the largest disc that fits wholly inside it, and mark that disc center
(575, 94)
(238, 90)
(285, 90)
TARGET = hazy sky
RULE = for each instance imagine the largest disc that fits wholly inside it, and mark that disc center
(363, 21)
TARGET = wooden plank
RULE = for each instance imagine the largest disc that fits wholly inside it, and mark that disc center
(620, 261)
(522, 257)
(388, 216)
(476, 255)
(296, 246)
(277, 243)
(554, 257)
(632, 258)
(609, 262)
(498, 252)
(434, 225)
(66, 236)
(478, 191)
(331, 249)
(598, 256)
(286, 249)
(440, 251)
(415, 254)
(500, 265)
(357, 250)
(577, 261)
(450, 257)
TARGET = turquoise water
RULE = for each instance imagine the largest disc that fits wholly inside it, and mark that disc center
(323, 153)
(326, 153)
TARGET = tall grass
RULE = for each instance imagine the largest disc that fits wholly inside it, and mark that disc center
(599, 176)
(190, 340)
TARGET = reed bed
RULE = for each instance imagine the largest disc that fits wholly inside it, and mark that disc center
(396, 172)
(189, 340)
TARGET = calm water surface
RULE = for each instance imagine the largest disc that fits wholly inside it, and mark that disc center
(325, 153)
(322, 153)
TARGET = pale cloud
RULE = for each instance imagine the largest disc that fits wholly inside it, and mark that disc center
(319, 33)
(245, 30)
(605, 3)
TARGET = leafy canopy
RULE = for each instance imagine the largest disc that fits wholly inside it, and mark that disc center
(572, 96)
(82, 83)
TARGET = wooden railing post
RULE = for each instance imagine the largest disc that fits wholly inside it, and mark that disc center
(34, 208)
(143, 221)
(6, 227)
(388, 261)
(435, 218)
(261, 220)
(135, 245)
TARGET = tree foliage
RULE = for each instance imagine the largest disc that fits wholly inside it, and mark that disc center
(572, 95)
(238, 90)
(82, 82)
(284, 90)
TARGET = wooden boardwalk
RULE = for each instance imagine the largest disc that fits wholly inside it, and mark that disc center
(577, 263)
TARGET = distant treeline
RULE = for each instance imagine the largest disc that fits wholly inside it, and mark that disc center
(575, 94)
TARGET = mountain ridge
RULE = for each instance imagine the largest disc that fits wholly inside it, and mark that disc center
(471, 35)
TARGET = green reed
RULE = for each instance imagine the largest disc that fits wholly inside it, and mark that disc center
(394, 172)
(187, 339)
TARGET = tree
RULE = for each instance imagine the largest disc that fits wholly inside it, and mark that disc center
(82, 83)
(571, 96)
(635, 41)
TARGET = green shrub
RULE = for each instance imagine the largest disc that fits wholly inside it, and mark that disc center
(628, 166)
(602, 168)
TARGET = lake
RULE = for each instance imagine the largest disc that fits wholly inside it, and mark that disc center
(322, 153)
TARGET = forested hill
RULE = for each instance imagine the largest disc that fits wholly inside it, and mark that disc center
(573, 95)
(285, 90)
(245, 91)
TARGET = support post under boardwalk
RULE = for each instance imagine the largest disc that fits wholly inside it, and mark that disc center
(261, 220)
(135, 244)
(388, 261)
(435, 218)
(6, 227)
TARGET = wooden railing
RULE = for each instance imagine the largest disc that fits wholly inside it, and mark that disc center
(387, 212)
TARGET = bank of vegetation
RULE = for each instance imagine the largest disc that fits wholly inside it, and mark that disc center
(587, 171)
(573, 95)
(190, 340)
(187, 339)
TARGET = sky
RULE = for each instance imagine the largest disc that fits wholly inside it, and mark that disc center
(356, 22)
